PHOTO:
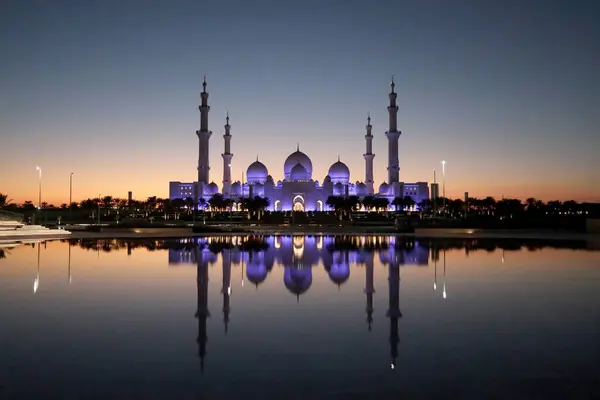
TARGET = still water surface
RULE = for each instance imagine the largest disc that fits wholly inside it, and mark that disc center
(299, 317)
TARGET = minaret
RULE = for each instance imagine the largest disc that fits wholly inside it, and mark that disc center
(202, 312)
(227, 156)
(393, 135)
(203, 138)
(369, 156)
(370, 289)
(226, 289)
(394, 308)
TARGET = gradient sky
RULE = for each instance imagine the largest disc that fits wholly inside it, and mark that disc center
(507, 92)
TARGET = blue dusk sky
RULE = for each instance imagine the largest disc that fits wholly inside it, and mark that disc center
(507, 92)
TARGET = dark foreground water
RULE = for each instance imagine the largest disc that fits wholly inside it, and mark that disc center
(299, 317)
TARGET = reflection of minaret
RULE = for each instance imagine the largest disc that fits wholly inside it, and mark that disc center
(202, 311)
(394, 308)
(370, 289)
(226, 290)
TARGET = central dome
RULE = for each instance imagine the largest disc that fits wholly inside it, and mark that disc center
(297, 157)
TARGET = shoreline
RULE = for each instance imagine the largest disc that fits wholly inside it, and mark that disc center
(439, 233)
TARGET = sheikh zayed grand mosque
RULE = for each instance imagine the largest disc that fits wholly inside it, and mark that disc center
(298, 190)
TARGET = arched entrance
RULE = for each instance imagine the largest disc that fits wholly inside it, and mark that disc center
(277, 205)
(319, 205)
(298, 203)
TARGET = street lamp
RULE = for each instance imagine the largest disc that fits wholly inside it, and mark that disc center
(39, 170)
(71, 193)
(444, 183)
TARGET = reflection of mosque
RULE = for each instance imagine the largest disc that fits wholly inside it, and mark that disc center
(298, 255)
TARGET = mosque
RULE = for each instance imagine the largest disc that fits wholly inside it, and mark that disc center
(298, 190)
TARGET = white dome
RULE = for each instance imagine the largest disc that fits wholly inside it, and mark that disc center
(299, 173)
(257, 172)
(361, 189)
(339, 172)
(236, 188)
(384, 188)
(297, 157)
(213, 188)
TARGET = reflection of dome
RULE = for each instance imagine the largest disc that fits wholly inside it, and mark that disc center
(299, 173)
(256, 272)
(339, 172)
(213, 188)
(339, 273)
(297, 157)
(257, 172)
(236, 188)
(297, 280)
(384, 188)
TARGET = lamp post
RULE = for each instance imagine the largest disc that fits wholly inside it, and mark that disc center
(444, 184)
(435, 195)
(39, 170)
(71, 194)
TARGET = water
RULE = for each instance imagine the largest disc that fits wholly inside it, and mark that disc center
(299, 317)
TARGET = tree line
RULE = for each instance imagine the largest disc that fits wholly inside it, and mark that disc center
(342, 205)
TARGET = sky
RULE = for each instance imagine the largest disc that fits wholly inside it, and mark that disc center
(507, 92)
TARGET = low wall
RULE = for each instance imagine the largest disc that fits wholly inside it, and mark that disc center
(592, 225)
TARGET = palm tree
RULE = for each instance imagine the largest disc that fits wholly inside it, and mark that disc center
(189, 203)
(177, 205)
(489, 204)
(425, 205)
(4, 201)
(335, 202)
(381, 203)
(217, 202)
(28, 206)
(368, 202)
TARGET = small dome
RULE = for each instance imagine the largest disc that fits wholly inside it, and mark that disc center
(257, 172)
(213, 188)
(384, 188)
(361, 189)
(298, 173)
(327, 179)
(339, 171)
(295, 158)
(236, 188)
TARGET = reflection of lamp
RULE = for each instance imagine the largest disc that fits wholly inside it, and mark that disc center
(69, 244)
(36, 281)
(434, 273)
(502, 256)
(298, 246)
(444, 289)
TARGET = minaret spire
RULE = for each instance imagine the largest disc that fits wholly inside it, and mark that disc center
(203, 140)
(227, 156)
(393, 135)
(369, 156)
